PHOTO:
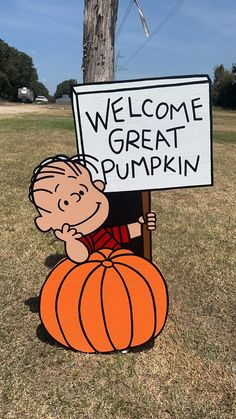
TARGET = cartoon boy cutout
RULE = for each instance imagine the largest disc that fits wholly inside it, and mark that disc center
(75, 207)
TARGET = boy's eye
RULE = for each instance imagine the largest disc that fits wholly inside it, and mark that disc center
(61, 204)
(82, 191)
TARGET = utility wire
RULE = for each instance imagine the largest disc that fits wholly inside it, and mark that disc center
(158, 28)
(119, 31)
(124, 18)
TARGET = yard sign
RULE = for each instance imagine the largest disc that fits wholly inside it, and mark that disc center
(146, 134)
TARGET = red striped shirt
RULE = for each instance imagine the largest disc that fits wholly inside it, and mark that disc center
(109, 237)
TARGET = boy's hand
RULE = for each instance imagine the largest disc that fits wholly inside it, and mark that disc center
(150, 220)
(67, 233)
(75, 249)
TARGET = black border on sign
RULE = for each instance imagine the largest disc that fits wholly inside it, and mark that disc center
(207, 81)
(186, 76)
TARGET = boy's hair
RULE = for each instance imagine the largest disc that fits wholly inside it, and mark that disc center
(45, 163)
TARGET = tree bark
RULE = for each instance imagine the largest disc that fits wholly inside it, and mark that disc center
(99, 39)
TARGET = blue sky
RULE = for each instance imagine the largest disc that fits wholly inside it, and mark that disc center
(200, 35)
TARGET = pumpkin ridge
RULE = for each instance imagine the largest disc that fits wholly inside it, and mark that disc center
(151, 292)
(103, 311)
(79, 307)
(56, 310)
(130, 304)
(40, 294)
(106, 252)
(121, 255)
(56, 305)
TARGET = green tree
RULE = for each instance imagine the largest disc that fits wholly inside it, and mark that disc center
(4, 85)
(224, 87)
(39, 89)
(64, 88)
(16, 69)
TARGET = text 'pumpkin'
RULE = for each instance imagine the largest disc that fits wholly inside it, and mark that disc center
(113, 301)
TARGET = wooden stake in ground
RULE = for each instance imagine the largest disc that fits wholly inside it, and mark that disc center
(98, 65)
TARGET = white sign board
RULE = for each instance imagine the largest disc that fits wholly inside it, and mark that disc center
(146, 134)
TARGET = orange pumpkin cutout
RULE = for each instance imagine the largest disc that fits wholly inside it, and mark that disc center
(113, 301)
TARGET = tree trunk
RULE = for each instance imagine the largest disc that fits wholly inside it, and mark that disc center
(99, 39)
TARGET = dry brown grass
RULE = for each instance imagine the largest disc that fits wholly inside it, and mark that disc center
(189, 372)
(224, 120)
(17, 109)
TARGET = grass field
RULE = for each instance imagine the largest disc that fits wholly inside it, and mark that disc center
(189, 373)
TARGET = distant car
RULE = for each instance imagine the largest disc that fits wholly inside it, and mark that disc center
(25, 95)
(41, 99)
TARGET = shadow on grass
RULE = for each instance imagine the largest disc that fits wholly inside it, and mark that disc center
(45, 337)
(52, 260)
(145, 347)
(33, 304)
(41, 332)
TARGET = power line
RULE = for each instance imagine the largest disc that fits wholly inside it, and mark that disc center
(124, 18)
(144, 24)
(158, 28)
(118, 67)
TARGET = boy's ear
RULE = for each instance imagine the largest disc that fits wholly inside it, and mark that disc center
(42, 223)
(100, 185)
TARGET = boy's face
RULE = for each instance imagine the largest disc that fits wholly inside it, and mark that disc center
(65, 194)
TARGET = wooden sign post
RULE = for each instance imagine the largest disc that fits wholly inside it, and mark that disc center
(147, 239)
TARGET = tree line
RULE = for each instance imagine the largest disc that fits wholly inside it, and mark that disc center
(224, 87)
(17, 70)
